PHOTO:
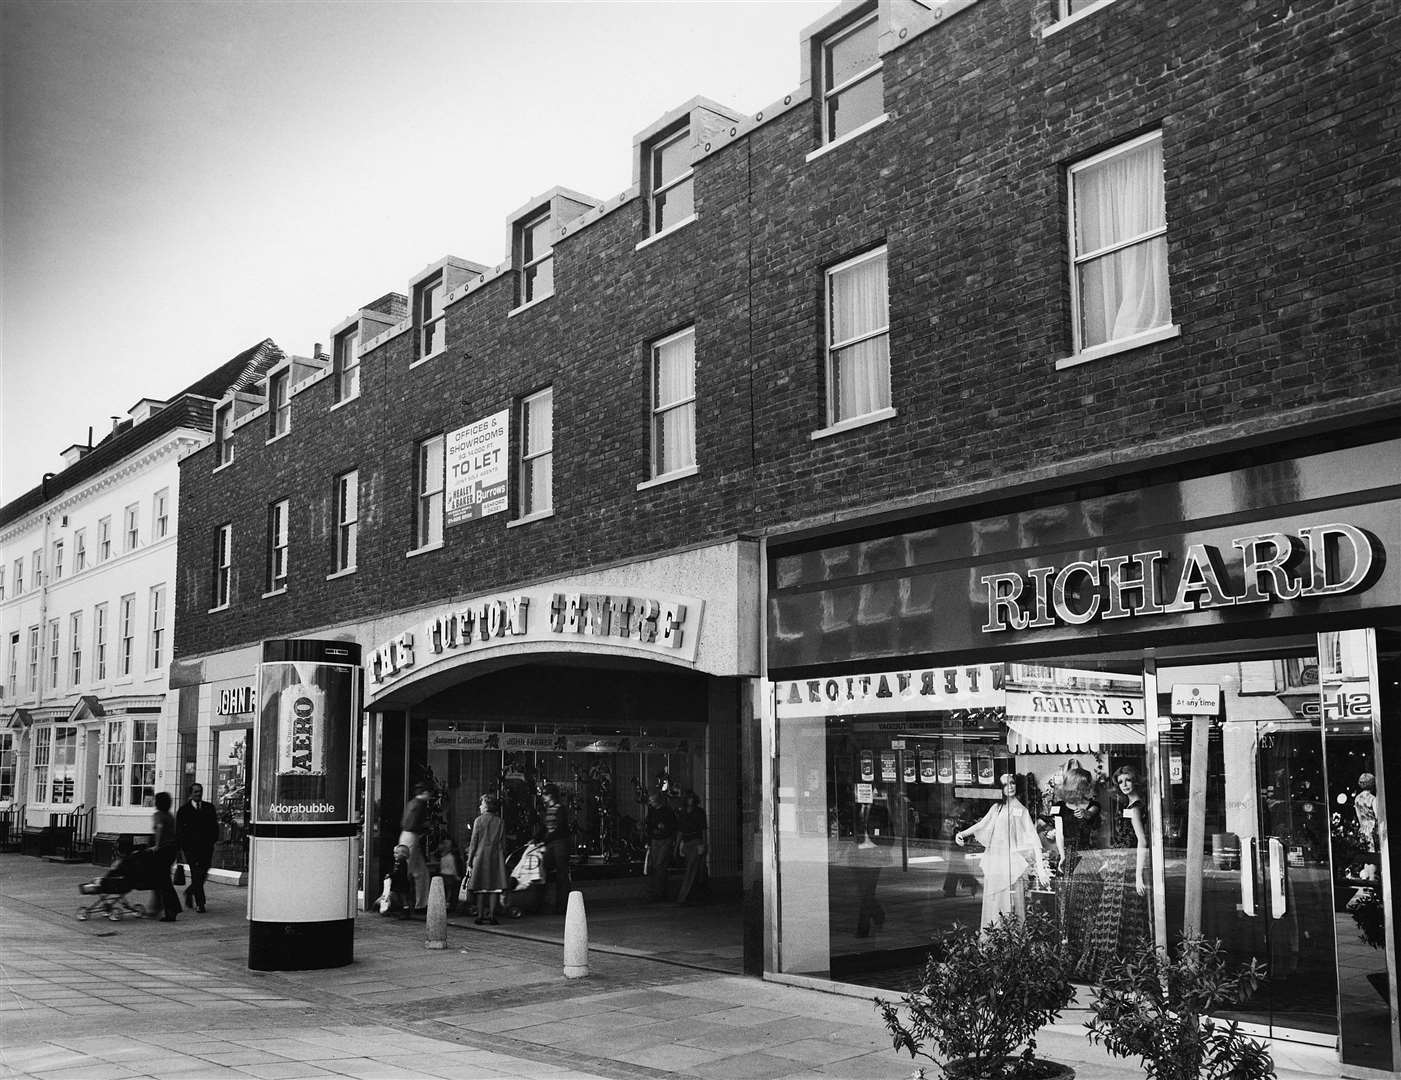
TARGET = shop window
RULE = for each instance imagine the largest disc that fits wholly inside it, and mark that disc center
(853, 92)
(537, 454)
(1118, 248)
(674, 403)
(670, 180)
(858, 338)
(99, 643)
(893, 789)
(347, 520)
(126, 635)
(346, 360)
(223, 566)
(429, 478)
(278, 513)
(428, 316)
(279, 404)
(534, 255)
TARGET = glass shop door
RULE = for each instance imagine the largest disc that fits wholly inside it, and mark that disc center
(1246, 829)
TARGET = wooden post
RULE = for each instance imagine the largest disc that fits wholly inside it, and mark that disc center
(1196, 826)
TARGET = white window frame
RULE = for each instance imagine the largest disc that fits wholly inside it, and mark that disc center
(155, 649)
(34, 659)
(347, 501)
(104, 539)
(223, 566)
(131, 528)
(429, 492)
(19, 577)
(126, 635)
(12, 678)
(55, 658)
(141, 759)
(99, 643)
(2, 583)
(36, 568)
(1078, 258)
(41, 760)
(661, 188)
(80, 550)
(75, 648)
(279, 513)
(833, 92)
(223, 432)
(114, 762)
(660, 411)
(160, 515)
(430, 327)
(345, 358)
(833, 347)
(529, 294)
(56, 573)
(9, 767)
(530, 453)
(279, 403)
(1066, 18)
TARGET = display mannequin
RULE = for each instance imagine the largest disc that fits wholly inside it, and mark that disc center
(1012, 852)
(1119, 925)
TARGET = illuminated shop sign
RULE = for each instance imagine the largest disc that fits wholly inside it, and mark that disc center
(660, 625)
(1314, 562)
(970, 686)
(578, 743)
(235, 701)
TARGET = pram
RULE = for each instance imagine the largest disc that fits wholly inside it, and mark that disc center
(525, 880)
(135, 870)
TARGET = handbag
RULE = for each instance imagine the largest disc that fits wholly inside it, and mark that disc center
(179, 876)
(464, 891)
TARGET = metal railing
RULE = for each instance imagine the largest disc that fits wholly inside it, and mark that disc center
(12, 828)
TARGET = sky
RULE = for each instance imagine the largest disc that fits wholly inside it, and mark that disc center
(180, 180)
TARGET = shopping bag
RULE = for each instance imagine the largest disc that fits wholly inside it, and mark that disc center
(179, 877)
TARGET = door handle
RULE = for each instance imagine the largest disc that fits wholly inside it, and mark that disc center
(1278, 904)
(1247, 875)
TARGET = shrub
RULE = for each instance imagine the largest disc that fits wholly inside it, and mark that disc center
(983, 995)
(1156, 1006)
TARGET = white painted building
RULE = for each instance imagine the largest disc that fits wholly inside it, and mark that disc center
(88, 734)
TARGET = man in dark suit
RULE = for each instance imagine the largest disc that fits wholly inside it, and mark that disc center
(197, 828)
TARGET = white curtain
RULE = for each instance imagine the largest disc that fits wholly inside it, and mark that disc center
(859, 309)
(537, 447)
(1124, 292)
(674, 431)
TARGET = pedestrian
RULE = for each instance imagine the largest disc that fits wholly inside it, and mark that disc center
(412, 827)
(450, 870)
(197, 830)
(690, 832)
(660, 826)
(165, 847)
(558, 840)
(397, 898)
(486, 862)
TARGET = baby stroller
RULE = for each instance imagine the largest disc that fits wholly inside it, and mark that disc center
(525, 880)
(135, 870)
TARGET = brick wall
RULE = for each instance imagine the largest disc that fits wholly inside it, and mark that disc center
(1282, 233)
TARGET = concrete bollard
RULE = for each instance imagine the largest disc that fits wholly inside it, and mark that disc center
(576, 938)
(437, 915)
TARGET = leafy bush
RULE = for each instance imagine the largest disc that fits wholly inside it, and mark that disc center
(984, 994)
(1156, 1006)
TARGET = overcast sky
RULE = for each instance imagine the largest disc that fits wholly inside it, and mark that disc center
(183, 179)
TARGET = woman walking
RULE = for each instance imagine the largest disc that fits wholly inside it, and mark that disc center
(164, 848)
(485, 861)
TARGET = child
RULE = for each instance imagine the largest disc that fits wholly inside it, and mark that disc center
(449, 869)
(397, 898)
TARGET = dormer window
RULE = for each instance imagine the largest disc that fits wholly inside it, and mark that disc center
(428, 315)
(671, 180)
(279, 404)
(346, 360)
(853, 91)
(535, 257)
(223, 427)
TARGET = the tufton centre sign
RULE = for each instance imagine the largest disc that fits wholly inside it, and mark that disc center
(663, 626)
(1309, 563)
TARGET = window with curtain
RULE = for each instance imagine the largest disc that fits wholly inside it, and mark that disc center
(75, 648)
(127, 633)
(674, 403)
(347, 519)
(429, 474)
(223, 566)
(537, 454)
(157, 657)
(1118, 238)
(858, 337)
(114, 763)
(278, 513)
(99, 643)
(54, 661)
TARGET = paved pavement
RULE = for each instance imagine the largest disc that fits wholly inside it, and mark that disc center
(139, 998)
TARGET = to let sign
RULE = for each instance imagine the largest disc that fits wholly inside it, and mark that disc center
(476, 462)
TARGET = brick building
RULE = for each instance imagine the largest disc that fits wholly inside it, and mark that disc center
(1027, 361)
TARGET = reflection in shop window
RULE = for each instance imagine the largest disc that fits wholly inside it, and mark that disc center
(880, 775)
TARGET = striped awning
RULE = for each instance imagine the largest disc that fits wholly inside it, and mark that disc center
(1068, 734)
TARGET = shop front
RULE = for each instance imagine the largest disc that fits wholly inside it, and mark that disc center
(1158, 706)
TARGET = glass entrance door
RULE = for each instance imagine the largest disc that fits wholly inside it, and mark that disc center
(1245, 829)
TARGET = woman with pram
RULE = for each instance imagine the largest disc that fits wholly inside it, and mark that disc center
(165, 848)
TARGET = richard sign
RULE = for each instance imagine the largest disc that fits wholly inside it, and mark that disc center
(1310, 563)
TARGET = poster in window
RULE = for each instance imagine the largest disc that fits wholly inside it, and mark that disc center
(887, 765)
(477, 463)
(867, 768)
(962, 767)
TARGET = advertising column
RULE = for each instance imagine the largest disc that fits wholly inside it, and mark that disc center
(303, 837)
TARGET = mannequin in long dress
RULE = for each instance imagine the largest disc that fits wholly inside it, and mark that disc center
(1012, 852)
